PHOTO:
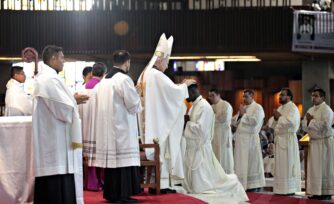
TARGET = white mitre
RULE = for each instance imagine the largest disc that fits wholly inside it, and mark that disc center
(163, 50)
(170, 46)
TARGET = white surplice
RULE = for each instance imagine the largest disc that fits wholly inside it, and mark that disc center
(163, 118)
(56, 129)
(203, 171)
(87, 113)
(222, 140)
(287, 161)
(320, 168)
(18, 103)
(117, 143)
(248, 160)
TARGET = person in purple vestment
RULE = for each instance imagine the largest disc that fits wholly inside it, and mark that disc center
(87, 74)
(95, 182)
(99, 70)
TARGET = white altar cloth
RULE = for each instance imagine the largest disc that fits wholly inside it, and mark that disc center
(16, 160)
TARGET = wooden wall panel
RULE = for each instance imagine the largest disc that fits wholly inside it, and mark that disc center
(297, 90)
(275, 83)
(195, 31)
(266, 89)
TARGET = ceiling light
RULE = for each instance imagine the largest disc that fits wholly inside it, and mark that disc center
(10, 58)
(224, 58)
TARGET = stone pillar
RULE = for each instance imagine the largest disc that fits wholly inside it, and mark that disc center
(315, 72)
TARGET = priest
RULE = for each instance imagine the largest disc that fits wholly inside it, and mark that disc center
(318, 125)
(93, 176)
(99, 70)
(87, 75)
(248, 161)
(117, 146)
(57, 135)
(203, 171)
(286, 120)
(18, 102)
(222, 140)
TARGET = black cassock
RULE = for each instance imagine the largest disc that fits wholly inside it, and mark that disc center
(55, 189)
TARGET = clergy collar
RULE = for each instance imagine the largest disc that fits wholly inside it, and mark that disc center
(197, 99)
(120, 69)
(114, 71)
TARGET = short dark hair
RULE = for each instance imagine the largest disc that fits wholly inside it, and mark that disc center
(249, 91)
(288, 92)
(322, 93)
(120, 57)
(15, 70)
(99, 69)
(193, 91)
(87, 70)
(49, 51)
(214, 90)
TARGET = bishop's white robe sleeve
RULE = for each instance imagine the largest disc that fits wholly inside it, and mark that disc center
(164, 103)
(170, 92)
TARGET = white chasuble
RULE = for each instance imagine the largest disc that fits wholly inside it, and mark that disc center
(163, 119)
